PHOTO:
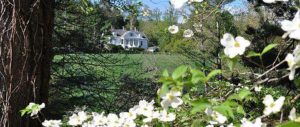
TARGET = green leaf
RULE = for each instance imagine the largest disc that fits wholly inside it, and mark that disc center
(253, 54)
(212, 74)
(268, 48)
(197, 123)
(179, 72)
(244, 93)
(165, 73)
(225, 110)
(241, 95)
(240, 110)
(163, 90)
(200, 105)
(197, 76)
(232, 63)
(290, 124)
(186, 98)
(23, 112)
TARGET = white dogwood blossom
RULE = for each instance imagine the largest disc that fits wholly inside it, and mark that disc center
(171, 99)
(195, 0)
(146, 12)
(52, 123)
(128, 115)
(113, 120)
(293, 60)
(150, 116)
(164, 116)
(292, 28)
(257, 88)
(173, 29)
(177, 4)
(35, 108)
(273, 1)
(230, 125)
(290, 59)
(145, 108)
(234, 46)
(272, 106)
(292, 115)
(217, 117)
(126, 123)
(256, 123)
(77, 119)
(99, 119)
(188, 33)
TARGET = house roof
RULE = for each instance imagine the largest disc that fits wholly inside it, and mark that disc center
(118, 32)
(122, 32)
(136, 32)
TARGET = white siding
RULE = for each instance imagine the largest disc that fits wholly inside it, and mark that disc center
(132, 39)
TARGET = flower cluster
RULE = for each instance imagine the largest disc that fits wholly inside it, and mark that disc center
(144, 110)
(271, 106)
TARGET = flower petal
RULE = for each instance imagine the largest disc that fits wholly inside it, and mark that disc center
(295, 34)
(287, 25)
(243, 42)
(227, 40)
(268, 100)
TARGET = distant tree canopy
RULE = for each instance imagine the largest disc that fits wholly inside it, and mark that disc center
(79, 30)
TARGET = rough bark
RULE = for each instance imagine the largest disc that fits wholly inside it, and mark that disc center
(25, 57)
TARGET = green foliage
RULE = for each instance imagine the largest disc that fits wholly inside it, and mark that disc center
(265, 50)
(179, 72)
(212, 74)
(187, 78)
(243, 94)
(200, 105)
(289, 124)
(268, 48)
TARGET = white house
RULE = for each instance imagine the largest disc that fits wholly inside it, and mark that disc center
(128, 39)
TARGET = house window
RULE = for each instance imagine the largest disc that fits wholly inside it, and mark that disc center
(135, 42)
(131, 34)
(141, 43)
(122, 41)
(131, 43)
(127, 41)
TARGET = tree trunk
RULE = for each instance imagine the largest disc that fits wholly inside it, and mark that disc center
(25, 57)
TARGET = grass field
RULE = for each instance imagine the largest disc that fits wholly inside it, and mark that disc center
(130, 62)
(94, 79)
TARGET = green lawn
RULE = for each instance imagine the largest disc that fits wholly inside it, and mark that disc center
(86, 79)
(130, 62)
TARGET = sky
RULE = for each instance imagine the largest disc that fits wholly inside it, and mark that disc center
(164, 4)
(160, 4)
